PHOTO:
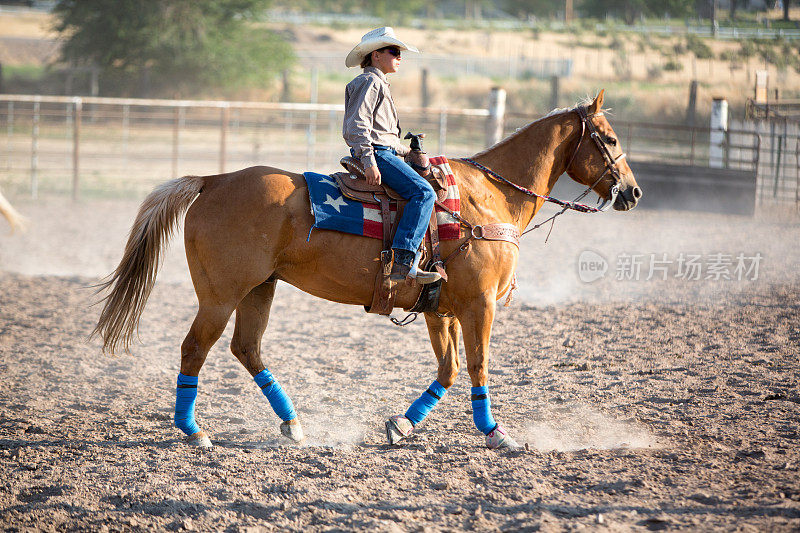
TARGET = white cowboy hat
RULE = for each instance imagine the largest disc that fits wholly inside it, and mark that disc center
(373, 40)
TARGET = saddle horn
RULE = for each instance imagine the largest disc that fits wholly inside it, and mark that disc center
(417, 158)
(416, 140)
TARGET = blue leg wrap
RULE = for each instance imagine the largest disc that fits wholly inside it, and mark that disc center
(280, 402)
(423, 405)
(482, 410)
(185, 396)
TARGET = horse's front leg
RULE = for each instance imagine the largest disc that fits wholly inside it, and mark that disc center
(476, 321)
(444, 339)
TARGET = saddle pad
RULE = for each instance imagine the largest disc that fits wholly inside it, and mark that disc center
(333, 211)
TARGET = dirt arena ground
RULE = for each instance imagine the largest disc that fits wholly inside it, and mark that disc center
(649, 404)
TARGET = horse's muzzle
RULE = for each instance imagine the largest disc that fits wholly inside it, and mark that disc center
(627, 199)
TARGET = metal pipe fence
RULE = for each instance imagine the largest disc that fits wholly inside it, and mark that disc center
(674, 27)
(111, 146)
(100, 146)
(770, 149)
(512, 67)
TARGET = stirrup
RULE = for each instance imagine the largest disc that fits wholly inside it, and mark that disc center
(424, 277)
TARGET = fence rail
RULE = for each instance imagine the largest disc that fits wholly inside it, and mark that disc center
(108, 146)
(677, 27)
(102, 145)
(705, 30)
(453, 65)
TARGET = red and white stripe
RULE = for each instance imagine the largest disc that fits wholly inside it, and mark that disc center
(449, 228)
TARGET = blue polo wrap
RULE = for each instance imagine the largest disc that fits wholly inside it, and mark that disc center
(482, 410)
(185, 397)
(425, 403)
(278, 399)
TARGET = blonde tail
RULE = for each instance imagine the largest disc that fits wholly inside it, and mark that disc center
(16, 220)
(134, 278)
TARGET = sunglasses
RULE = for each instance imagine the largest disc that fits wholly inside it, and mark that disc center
(392, 50)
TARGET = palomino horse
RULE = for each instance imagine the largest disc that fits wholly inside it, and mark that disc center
(246, 230)
(16, 220)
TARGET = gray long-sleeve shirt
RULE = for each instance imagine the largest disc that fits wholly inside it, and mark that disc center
(370, 116)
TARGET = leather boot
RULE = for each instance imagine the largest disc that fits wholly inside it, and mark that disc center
(401, 266)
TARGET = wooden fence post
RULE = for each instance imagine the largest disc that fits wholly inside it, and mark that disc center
(126, 120)
(691, 108)
(425, 96)
(442, 131)
(555, 83)
(223, 136)
(311, 132)
(719, 130)
(9, 133)
(76, 147)
(35, 152)
(497, 111)
(175, 138)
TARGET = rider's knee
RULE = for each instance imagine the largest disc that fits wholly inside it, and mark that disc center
(428, 195)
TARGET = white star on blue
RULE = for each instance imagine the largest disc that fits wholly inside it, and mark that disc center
(337, 204)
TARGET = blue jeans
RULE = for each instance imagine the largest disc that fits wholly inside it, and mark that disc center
(415, 189)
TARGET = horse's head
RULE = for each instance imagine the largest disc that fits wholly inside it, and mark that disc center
(598, 162)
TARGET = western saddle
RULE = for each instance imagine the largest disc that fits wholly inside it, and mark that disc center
(353, 185)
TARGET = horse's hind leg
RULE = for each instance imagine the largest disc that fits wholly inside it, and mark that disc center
(443, 332)
(252, 316)
(206, 329)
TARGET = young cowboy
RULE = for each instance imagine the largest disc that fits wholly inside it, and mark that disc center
(372, 130)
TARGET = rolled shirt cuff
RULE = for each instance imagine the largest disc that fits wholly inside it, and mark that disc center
(402, 150)
(368, 160)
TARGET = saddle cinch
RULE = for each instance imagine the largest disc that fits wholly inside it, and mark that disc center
(353, 185)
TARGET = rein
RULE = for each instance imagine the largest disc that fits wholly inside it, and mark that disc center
(611, 167)
(509, 232)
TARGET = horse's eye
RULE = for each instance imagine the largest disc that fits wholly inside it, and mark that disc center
(611, 140)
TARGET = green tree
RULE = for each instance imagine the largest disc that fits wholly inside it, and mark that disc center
(175, 46)
(539, 8)
(630, 10)
(380, 8)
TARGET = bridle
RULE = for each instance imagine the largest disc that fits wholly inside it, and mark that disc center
(610, 169)
(610, 161)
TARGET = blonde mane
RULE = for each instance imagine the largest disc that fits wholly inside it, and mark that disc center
(556, 111)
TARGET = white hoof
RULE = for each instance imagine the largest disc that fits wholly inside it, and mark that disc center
(199, 439)
(293, 430)
(498, 439)
(398, 427)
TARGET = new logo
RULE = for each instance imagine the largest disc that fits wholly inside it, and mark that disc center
(591, 266)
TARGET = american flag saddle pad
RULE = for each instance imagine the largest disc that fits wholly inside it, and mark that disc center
(333, 211)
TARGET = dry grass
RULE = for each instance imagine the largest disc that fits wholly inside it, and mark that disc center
(631, 68)
(32, 25)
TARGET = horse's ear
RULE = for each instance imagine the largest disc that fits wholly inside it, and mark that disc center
(597, 105)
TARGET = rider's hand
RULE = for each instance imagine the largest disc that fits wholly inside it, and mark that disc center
(373, 175)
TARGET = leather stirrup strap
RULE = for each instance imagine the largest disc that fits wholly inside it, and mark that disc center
(384, 291)
(436, 256)
(386, 219)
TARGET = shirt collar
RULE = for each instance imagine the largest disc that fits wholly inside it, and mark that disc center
(378, 72)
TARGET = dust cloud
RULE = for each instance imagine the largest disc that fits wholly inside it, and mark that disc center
(657, 256)
(576, 427)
